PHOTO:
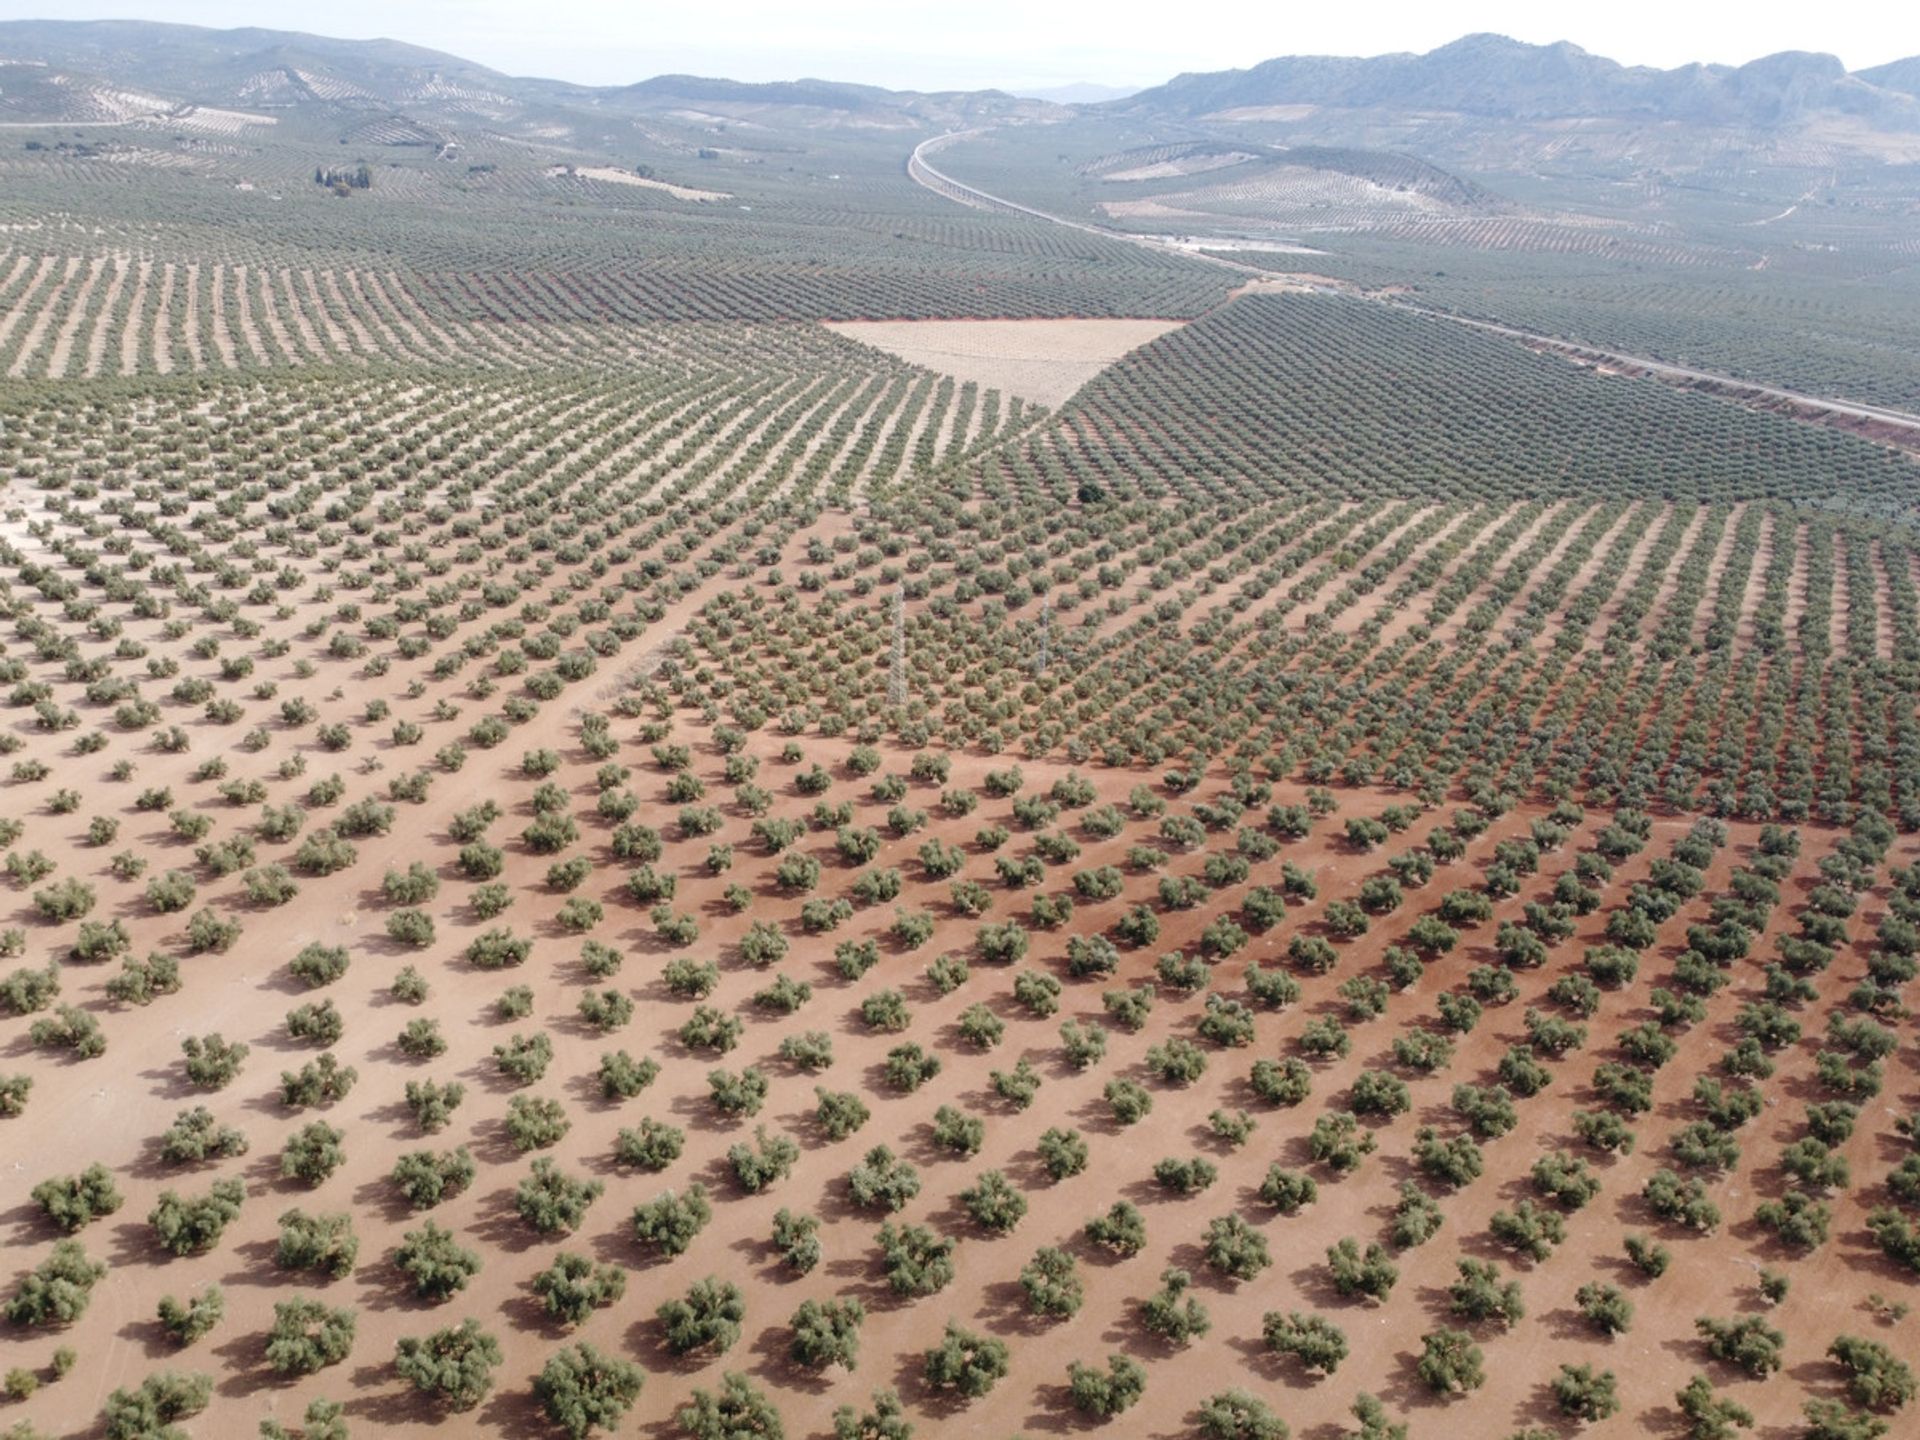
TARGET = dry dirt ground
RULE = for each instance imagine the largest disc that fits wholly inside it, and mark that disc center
(113, 1108)
(109, 1110)
(1181, 165)
(1044, 361)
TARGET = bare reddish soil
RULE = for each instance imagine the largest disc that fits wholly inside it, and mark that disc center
(111, 1110)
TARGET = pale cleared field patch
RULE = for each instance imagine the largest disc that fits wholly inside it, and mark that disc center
(154, 159)
(1292, 194)
(1152, 210)
(1044, 361)
(612, 175)
(1265, 112)
(1182, 165)
(211, 119)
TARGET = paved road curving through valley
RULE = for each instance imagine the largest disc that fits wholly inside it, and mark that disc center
(925, 173)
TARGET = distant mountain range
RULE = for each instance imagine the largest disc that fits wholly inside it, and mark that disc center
(102, 70)
(1492, 76)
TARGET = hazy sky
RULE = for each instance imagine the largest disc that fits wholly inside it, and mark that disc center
(1024, 43)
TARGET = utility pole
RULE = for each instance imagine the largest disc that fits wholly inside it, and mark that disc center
(897, 680)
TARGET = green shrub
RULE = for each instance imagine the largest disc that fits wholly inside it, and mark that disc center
(1106, 1393)
(826, 1333)
(56, 1292)
(551, 1201)
(797, 1238)
(1746, 1341)
(454, 1366)
(317, 1242)
(312, 1153)
(72, 1030)
(573, 1287)
(707, 1318)
(73, 1201)
(424, 1178)
(195, 1136)
(769, 1159)
(307, 1336)
(524, 1058)
(1172, 1312)
(149, 1412)
(534, 1123)
(965, 1363)
(1876, 1377)
(1317, 1343)
(318, 964)
(671, 1221)
(582, 1389)
(736, 1409)
(883, 1180)
(1451, 1363)
(318, 1082)
(433, 1104)
(1371, 1273)
(192, 1225)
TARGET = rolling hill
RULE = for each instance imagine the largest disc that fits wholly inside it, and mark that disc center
(78, 64)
